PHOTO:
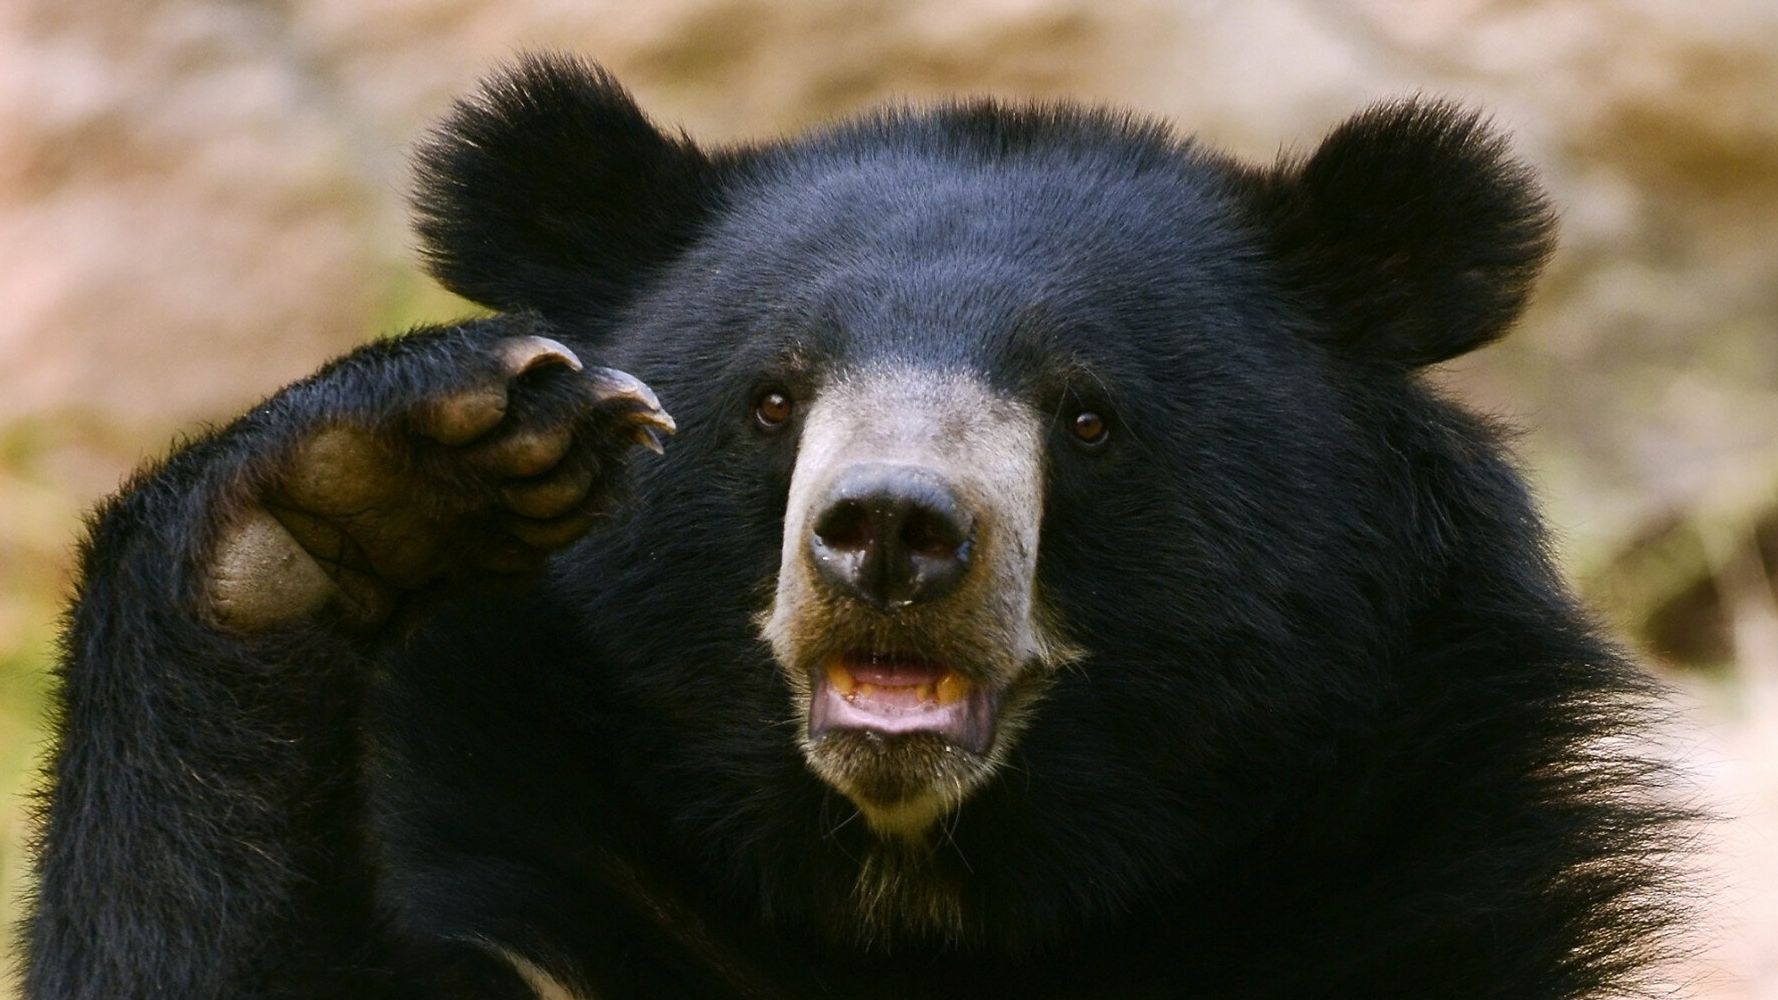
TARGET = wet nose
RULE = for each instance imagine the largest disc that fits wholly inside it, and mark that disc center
(891, 535)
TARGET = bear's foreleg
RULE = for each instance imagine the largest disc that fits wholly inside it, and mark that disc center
(204, 835)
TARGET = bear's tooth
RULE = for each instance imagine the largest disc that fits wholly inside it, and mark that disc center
(951, 688)
(925, 692)
(840, 679)
(867, 689)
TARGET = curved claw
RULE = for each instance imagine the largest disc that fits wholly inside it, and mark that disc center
(611, 385)
(659, 420)
(643, 412)
(522, 354)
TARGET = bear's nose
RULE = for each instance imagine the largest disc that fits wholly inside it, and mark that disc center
(891, 535)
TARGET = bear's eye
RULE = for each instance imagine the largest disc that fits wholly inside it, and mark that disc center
(772, 410)
(1090, 429)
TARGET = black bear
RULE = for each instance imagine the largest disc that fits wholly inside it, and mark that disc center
(1059, 582)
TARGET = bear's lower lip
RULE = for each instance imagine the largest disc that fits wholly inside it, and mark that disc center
(893, 697)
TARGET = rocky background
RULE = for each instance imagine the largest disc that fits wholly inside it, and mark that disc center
(200, 200)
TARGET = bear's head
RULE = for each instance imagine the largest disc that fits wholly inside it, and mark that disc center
(1048, 485)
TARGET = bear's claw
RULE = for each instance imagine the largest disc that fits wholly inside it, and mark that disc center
(488, 474)
(522, 354)
(637, 406)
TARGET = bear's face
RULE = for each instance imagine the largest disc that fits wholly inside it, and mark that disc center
(1013, 442)
(963, 370)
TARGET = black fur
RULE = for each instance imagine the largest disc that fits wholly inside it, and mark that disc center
(1341, 730)
(1412, 229)
(550, 188)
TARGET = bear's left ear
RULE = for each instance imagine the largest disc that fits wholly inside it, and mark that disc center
(550, 190)
(1411, 229)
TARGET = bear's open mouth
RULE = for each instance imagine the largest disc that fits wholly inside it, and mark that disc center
(893, 696)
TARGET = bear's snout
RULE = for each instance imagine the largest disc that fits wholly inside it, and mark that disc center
(891, 535)
(906, 616)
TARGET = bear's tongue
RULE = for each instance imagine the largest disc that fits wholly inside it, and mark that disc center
(895, 696)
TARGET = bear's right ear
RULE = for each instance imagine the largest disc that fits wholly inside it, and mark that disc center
(550, 190)
(1411, 231)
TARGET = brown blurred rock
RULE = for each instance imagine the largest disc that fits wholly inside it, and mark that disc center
(180, 223)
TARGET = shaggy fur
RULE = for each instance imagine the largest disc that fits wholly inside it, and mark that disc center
(1336, 727)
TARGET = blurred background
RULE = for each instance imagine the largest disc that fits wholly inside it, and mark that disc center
(201, 200)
